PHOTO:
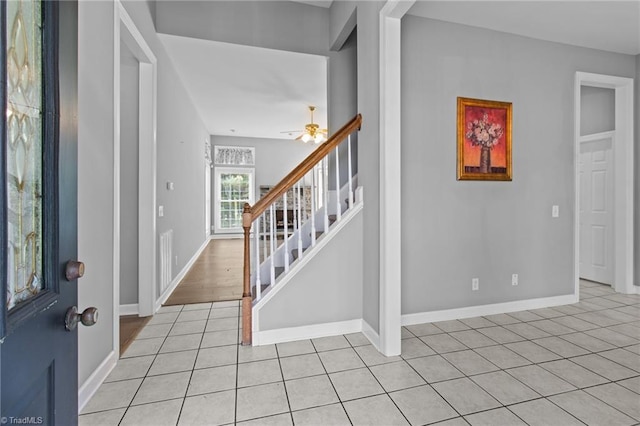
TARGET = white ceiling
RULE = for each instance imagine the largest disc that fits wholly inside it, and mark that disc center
(254, 92)
(250, 91)
(606, 25)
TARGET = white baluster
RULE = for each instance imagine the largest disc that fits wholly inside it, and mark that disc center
(313, 206)
(286, 231)
(350, 172)
(272, 244)
(258, 283)
(295, 209)
(297, 195)
(338, 203)
(264, 236)
(325, 195)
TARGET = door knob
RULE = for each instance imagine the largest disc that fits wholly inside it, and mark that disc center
(88, 317)
(74, 270)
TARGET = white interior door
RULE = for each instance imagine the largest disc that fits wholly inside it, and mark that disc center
(596, 208)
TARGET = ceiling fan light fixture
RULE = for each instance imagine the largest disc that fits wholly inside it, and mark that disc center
(306, 137)
(319, 138)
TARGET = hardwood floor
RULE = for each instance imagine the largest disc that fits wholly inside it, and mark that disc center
(130, 326)
(214, 277)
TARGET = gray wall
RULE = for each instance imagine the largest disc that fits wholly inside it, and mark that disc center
(368, 101)
(128, 176)
(180, 143)
(328, 289)
(277, 25)
(637, 174)
(453, 230)
(598, 110)
(369, 154)
(181, 138)
(274, 159)
(95, 180)
(343, 98)
(279, 28)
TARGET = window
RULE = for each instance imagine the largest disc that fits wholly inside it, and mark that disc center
(234, 187)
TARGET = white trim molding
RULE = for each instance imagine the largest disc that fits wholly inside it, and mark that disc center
(623, 157)
(130, 309)
(126, 31)
(91, 385)
(492, 309)
(371, 334)
(314, 331)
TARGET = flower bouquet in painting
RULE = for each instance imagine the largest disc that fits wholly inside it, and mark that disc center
(484, 140)
(486, 135)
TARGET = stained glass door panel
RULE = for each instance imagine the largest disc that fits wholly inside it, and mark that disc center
(24, 151)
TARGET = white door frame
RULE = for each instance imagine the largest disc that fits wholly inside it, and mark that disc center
(623, 178)
(125, 30)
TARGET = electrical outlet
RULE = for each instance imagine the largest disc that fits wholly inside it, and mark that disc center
(555, 211)
(475, 284)
(514, 279)
(160, 211)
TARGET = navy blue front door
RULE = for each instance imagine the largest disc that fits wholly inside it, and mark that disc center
(38, 226)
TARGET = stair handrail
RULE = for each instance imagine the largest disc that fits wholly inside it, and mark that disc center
(251, 213)
(303, 168)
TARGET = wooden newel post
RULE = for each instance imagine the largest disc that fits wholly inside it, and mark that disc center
(247, 219)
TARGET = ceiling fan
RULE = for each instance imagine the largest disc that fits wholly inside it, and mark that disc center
(312, 131)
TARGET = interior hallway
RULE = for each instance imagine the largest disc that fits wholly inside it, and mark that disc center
(216, 275)
(567, 365)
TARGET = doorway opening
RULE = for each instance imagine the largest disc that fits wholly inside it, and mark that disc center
(135, 68)
(603, 221)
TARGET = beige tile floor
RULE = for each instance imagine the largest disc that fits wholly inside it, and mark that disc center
(567, 365)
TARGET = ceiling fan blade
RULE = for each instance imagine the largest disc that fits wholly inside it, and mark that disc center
(299, 137)
(292, 131)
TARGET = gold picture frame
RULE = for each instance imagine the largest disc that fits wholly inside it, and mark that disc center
(484, 139)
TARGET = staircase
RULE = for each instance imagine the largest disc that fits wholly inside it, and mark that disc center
(275, 243)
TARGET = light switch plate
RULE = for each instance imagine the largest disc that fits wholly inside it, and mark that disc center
(160, 211)
(555, 211)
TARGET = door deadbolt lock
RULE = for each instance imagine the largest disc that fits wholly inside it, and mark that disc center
(88, 317)
(74, 270)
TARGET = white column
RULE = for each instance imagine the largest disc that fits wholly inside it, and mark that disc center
(390, 176)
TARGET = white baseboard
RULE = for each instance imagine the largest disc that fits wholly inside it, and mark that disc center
(91, 385)
(174, 283)
(131, 309)
(496, 308)
(371, 334)
(315, 331)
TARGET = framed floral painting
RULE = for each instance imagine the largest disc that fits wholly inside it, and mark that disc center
(484, 139)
